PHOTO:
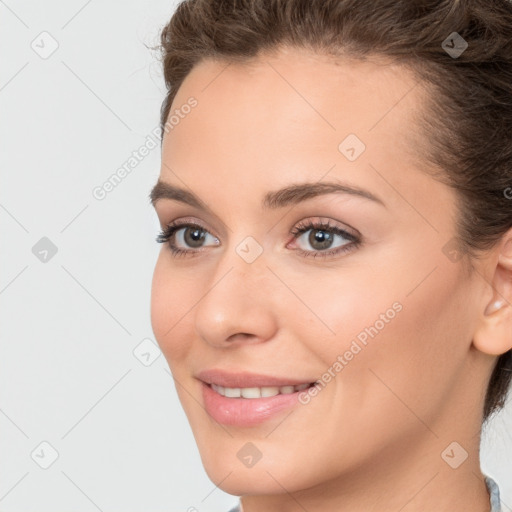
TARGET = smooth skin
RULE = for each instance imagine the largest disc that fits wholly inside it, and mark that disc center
(373, 438)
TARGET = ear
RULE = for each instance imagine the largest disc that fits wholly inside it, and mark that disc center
(493, 334)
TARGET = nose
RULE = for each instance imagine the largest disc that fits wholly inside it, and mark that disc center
(238, 305)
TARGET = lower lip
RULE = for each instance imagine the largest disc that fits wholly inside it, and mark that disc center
(245, 412)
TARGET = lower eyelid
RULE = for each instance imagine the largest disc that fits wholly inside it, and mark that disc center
(346, 248)
(352, 240)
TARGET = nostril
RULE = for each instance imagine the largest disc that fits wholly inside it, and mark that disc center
(245, 335)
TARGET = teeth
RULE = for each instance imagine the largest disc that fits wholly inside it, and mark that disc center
(250, 392)
(257, 392)
(232, 392)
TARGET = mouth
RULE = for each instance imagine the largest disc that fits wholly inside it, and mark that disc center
(249, 406)
(259, 392)
(244, 380)
(245, 399)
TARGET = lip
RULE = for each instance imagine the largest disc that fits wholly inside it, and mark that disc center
(246, 379)
(245, 412)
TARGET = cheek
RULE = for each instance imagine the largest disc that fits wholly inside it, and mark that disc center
(355, 302)
(171, 299)
(400, 331)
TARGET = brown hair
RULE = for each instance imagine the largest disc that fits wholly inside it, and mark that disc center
(469, 121)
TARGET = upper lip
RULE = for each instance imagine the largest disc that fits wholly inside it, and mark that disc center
(246, 379)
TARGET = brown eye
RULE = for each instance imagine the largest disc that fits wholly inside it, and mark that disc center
(185, 237)
(193, 237)
(322, 239)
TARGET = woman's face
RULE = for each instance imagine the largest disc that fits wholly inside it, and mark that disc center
(382, 316)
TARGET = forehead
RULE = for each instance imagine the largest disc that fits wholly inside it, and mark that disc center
(286, 117)
(320, 82)
(291, 116)
(292, 97)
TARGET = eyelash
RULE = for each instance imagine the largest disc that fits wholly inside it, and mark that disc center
(168, 232)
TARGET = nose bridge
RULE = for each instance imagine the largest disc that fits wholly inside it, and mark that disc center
(237, 299)
(243, 266)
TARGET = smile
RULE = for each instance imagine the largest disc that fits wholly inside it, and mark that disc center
(258, 392)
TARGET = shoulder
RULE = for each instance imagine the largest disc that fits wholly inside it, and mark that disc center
(494, 493)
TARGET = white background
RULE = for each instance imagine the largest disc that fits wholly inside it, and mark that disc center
(69, 326)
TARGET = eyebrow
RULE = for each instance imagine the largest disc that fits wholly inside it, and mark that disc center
(291, 194)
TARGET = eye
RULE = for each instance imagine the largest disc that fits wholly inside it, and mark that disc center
(323, 239)
(314, 238)
(185, 237)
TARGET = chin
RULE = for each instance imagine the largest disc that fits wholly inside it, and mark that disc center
(247, 481)
(266, 477)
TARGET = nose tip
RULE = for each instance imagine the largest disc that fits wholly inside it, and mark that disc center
(238, 308)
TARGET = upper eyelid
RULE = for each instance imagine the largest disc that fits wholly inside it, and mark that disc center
(163, 213)
(182, 222)
(311, 222)
(299, 228)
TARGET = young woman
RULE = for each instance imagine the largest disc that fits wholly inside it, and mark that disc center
(333, 295)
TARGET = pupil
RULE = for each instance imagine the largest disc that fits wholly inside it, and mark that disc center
(194, 237)
(320, 239)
